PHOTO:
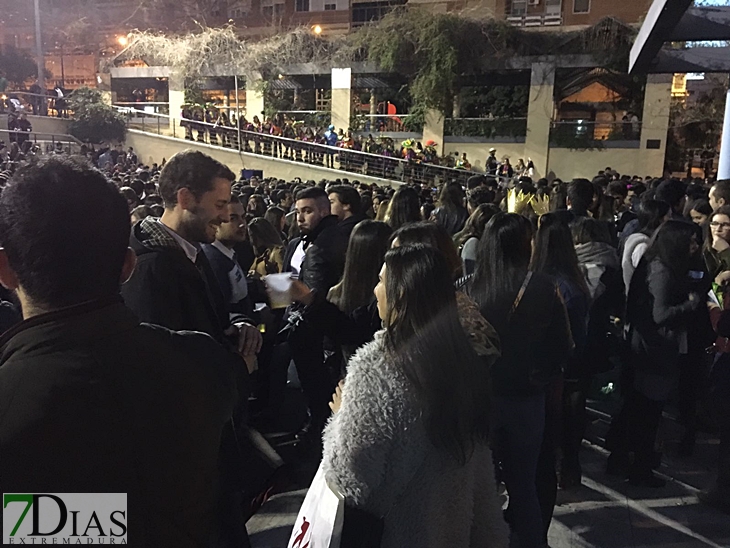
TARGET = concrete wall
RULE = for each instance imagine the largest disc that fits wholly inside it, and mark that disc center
(562, 162)
(477, 152)
(153, 148)
(568, 164)
(42, 124)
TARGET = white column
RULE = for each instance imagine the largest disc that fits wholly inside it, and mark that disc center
(341, 98)
(655, 125)
(539, 116)
(723, 170)
(433, 129)
(176, 100)
(254, 99)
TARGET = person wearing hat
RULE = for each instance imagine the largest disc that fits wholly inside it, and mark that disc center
(429, 152)
(491, 165)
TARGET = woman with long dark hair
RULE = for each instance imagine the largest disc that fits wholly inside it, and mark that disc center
(554, 255)
(468, 239)
(408, 440)
(451, 213)
(403, 208)
(360, 325)
(256, 206)
(651, 214)
(277, 217)
(699, 211)
(528, 313)
(660, 306)
(366, 250)
(267, 246)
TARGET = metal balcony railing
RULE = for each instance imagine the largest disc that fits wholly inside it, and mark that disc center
(539, 20)
(31, 103)
(47, 142)
(580, 134)
(351, 161)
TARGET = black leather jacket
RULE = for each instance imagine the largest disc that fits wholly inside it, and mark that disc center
(324, 260)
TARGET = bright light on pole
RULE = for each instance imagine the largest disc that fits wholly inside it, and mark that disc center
(123, 41)
(40, 60)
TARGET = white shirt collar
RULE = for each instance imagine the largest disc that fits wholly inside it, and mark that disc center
(223, 249)
(190, 250)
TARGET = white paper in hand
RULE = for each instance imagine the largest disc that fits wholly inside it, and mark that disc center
(279, 286)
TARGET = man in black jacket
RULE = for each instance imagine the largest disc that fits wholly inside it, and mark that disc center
(91, 400)
(318, 258)
(175, 286)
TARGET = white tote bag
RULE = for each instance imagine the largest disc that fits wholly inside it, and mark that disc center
(320, 519)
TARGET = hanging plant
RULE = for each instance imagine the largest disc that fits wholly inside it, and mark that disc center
(433, 51)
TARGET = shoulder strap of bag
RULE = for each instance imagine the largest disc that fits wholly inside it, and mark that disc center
(520, 294)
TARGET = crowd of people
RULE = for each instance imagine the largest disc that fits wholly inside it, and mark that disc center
(260, 137)
(444, 340)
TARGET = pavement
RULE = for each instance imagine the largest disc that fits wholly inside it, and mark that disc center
(604, 512)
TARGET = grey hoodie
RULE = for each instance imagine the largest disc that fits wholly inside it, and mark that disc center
(594, 258)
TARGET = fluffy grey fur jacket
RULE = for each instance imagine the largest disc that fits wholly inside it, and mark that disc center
(376, 444)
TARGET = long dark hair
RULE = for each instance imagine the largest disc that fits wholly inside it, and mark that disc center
(451, 196)
(263, 235)
(474, 227)
(554, 252)
(651, 215)
(403, 208)
(274, 215)
(369, 242)
(503, 259)
(259, 209)
(431, 348)
(426, 232)
(670, 246)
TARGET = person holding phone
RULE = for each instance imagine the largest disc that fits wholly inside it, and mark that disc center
(660, 307)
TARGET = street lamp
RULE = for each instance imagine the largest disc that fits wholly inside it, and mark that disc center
(317, 29)
(123, 41)
(41, 62)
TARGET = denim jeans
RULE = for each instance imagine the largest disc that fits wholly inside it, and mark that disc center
(519, 428)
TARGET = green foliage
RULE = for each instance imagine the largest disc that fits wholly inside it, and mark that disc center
(436, 51)
(18, 66)
(498, 127)
(94, 121)
(431, 50)
(696, 127)
(194, 95)
(500, 102)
